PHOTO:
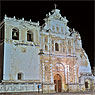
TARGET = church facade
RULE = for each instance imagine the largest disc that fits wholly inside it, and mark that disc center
(50, 57)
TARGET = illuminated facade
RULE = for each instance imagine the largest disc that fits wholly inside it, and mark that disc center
(50, 55)
(64, 59)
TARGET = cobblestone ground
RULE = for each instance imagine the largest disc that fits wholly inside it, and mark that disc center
(65, 93)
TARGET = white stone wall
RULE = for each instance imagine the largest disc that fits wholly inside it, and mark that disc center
(21, 56)
(33, 87)
(17, 61)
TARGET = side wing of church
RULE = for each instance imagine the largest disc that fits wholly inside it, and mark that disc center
(49, 58)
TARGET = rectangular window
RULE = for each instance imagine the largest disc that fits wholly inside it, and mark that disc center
(20, 75)
(15, 34)
(29, 36)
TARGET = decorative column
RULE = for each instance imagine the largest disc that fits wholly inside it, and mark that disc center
(51, 73)
(54, 45)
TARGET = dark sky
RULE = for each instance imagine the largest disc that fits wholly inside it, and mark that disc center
(80, 15)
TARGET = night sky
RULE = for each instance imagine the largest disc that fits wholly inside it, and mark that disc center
(80, 15)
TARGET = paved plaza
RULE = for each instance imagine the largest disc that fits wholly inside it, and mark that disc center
(65, 93)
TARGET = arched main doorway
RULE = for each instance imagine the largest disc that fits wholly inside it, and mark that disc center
(58, 83)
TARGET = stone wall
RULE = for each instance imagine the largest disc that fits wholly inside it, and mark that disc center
(73, 88)
(48, 88)
(33, 87)
(21, 55)
(24, 87)
(80, 88)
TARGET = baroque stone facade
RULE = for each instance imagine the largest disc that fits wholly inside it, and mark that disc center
(50, 56)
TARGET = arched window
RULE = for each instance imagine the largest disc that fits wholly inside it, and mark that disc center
(86, 84)
(61, 29)
(20, 76)
(15, 34)
(56, 47)
(30, 36)
(46, 48)
(57, 28)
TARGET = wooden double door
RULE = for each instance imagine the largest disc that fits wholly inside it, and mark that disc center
(58, 83)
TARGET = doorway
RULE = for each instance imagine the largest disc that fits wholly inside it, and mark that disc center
(58, 83)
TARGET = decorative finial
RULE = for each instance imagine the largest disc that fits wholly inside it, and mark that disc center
(55, 6)
(38, 22)
(49, 14)
(14, 17)
(65, 17)
(5, 16)
(74, 29)
(22, 18)
(30, 20)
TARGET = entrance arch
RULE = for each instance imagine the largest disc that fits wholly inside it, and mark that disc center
(58, 83)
